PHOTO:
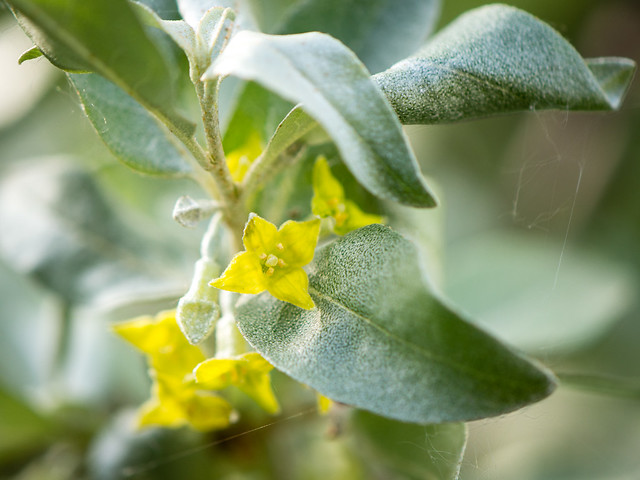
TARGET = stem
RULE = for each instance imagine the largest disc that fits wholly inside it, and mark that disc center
(229, 341)
(63, 340)
(603, 385)
(217, 181)
(233, 207)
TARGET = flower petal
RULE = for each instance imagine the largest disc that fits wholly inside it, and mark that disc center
(249, 373)
(324, 403)
(240, 159)
(162, 409)
(206, 411)
(356, 218)
(327, 191)
(174, 407)
(149, 334)
(257, 385)
(243, 275)
(259, 235)
(291, 285)
(299, 241)
(216, 373)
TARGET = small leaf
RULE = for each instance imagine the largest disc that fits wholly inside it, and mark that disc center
(82, 36)
(192, 11)
(379, 340)
(414, 451)
(380, 32)
(179, 31)
(295, 125)
(30, 54)
(333, 87)
(132, 134)
(614, 76)
(498, 59)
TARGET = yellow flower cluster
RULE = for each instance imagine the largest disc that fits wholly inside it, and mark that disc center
(184, 381)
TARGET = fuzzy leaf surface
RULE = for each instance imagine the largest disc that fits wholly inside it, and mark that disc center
(498, 59)
(132, 134)
(381, 341)
(335, 89)
(104, 36)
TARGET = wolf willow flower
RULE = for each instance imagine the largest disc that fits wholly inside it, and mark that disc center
(176, 397)
(240, 159)
(329, 201)
(273, 261)
(248, 372)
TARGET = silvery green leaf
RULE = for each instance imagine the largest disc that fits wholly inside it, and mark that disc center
(498, 59)
(132, 134)
(380, 340)
(179, 30)
(334, 88)
(80, 36)
(213, 34)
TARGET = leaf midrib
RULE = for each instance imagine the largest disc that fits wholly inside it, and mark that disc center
(426, 353)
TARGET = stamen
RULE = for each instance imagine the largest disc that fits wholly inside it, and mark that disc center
(281, 263)
(271, 261)
(263, 256)
(269, 272)
(280, 247)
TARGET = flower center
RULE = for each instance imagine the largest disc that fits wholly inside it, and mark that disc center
(339, 211)
(271, 261)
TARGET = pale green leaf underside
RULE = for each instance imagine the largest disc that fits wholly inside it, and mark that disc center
(333, 87)
(379, 340)
(294, 126)
(132, 134)
(104, 36)
(416, 452)
(498, 59)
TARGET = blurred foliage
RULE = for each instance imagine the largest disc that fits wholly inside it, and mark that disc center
(559, 183)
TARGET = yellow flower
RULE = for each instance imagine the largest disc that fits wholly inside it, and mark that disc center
(160, 338)
(248, 372)
(273, 261)
(324, 403)
(176, 399)
(240, 159)
(174, 406)
(329, 201)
